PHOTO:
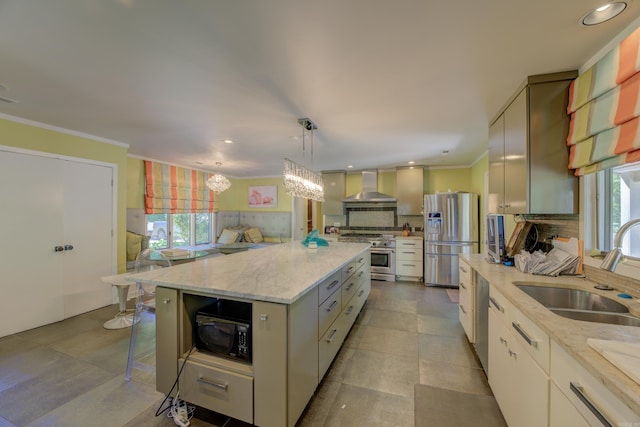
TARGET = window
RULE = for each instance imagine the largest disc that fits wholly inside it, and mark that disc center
(179, 230)
(618, 191)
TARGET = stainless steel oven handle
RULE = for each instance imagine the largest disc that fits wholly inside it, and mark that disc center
(216, 383)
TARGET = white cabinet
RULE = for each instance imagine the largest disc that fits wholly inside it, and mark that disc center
(588, 399)
(467, 303)
(409, 258)
(58, 235)
(528, 156)
(410, 190)
(519, 383)
(334, 191)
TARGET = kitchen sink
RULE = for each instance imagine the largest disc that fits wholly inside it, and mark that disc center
(578, 304)
(575, 299)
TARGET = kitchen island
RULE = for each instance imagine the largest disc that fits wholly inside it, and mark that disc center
(302, 302)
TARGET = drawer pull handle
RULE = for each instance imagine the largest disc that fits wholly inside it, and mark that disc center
(361, 260)
(408, 244)
(524, 334)
(513, 354)
(463, 270)
(219, 384)
(462, 308)
(349, 286)
(495, 303)
(361, 292)
(409, 252)
(332, 306)
(578, 390)
(408, 265)
(333, 334)
(503, 341)
(361, 273)
(350, 269)
(166, 300)
(349, 310)
(463, 286)
(264, 317)
(335, 282)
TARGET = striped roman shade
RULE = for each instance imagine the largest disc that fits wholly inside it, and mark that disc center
(604, 104)
(172, 189)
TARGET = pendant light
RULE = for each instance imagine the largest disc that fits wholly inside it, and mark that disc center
(298, 180)
(218, 182)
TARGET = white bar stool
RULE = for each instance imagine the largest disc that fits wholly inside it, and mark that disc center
(123, 319)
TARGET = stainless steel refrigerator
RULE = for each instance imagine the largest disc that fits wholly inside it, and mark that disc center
(450, 229)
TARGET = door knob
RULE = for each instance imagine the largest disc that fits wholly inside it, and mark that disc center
(68, 247)
(58, 248)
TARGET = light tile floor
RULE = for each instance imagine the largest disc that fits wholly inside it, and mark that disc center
(71, 373)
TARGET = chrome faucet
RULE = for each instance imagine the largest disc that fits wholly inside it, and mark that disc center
(611, 260)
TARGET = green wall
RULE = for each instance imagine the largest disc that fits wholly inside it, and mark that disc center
(478, 172)
(443, 180)
(28, 137)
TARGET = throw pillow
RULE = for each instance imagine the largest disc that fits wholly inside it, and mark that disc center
(253, 235)
(228, 236)
(134, 245)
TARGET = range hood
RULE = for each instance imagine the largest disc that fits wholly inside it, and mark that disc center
(369, 191)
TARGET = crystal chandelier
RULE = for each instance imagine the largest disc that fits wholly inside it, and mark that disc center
(218, 182)
(298, 180)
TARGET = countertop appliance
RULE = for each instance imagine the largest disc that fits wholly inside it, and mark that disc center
(450, 228)
(383, 253)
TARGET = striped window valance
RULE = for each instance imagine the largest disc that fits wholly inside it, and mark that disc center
(604, 104)
(172, 189)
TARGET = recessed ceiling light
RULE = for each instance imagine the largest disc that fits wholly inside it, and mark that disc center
(350, 167)
(412, 162)
(444, 152)
(604, 13)
(227, 141)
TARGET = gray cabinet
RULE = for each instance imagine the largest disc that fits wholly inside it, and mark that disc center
(410, 192)
(528, 155)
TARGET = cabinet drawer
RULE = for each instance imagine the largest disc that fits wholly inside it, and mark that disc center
(409, 254)
(226, 392)
(499, 304)
(533, 339)
(409, 244)
(565, 372)
(464, 275)
(330, 343)
(350, 287)
(329, 311)
(348, 269)
(409, 268)
(363, 261)
(329, 286)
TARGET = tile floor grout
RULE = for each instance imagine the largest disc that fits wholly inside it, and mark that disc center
(71, 373)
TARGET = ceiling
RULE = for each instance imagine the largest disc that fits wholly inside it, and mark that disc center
(386, 82)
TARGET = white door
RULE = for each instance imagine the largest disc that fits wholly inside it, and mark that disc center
(47, 206)
(31, 218)
(88, 229)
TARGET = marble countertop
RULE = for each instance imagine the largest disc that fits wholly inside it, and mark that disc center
(279, 273)
(569, 334)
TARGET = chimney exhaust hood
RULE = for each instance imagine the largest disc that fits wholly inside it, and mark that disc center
(369, 191)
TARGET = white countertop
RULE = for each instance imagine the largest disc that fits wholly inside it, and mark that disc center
(279, 273)
(569, 334)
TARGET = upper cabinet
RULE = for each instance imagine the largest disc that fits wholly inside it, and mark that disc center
(410, 190)
(334, 192)
(528, 154)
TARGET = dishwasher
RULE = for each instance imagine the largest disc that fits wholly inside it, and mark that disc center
(482, 321)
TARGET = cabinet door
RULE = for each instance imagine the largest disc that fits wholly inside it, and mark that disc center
(410, 191)
(31, 227)
(334, 192)
(88, 228)
(516, 176)
(496, 166)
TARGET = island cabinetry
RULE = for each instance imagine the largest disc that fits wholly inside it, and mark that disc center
(409, 261)
(466, 304)
(581, 398)
(518, 364)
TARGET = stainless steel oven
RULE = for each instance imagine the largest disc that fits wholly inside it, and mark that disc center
(383, 260)
(383, 253)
